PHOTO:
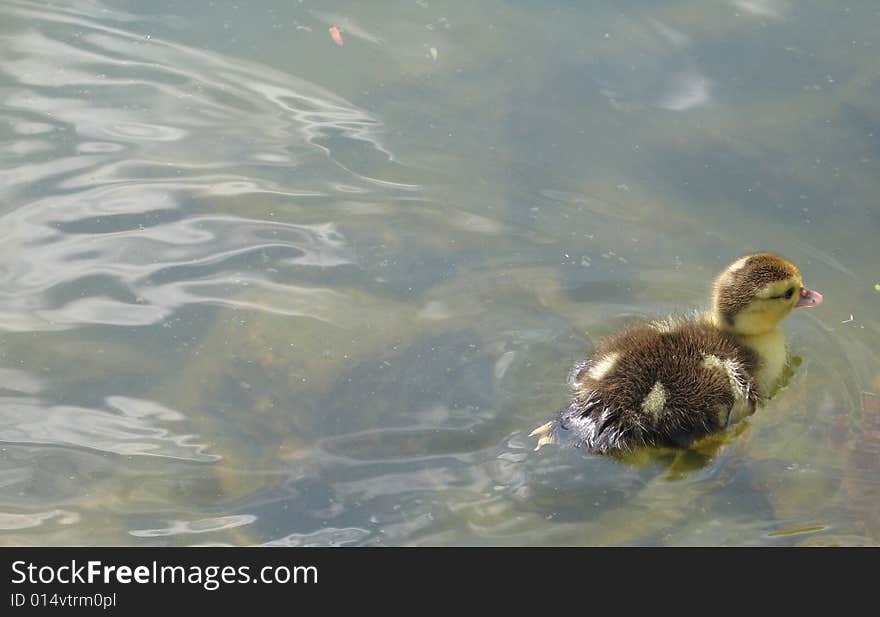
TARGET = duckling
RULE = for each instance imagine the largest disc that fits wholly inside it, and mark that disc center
(670, 382)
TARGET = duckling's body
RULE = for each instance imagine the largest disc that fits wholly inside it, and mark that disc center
(669, 382)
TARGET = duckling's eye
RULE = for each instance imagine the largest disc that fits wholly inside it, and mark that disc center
(789, 293)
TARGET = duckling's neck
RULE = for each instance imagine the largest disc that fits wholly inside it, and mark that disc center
(772, 356)
(770, 351)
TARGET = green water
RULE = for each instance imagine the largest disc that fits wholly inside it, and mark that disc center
(257, 288)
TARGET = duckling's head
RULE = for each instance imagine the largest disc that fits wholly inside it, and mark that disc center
(755, 292)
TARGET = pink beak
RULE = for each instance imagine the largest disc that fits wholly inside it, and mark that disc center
(808, 297)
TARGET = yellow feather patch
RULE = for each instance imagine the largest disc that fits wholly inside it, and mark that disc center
(733, 370)
(738, 264)
(655, 401)
(603, 366)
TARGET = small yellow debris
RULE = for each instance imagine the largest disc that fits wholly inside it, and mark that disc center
(434, 53)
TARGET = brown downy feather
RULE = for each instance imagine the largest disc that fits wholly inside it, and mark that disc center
(674, 381)
(609, 414)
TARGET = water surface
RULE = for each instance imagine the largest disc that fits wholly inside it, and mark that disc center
(257, 288)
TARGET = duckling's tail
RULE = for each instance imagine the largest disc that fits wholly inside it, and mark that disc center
(556, 431)
(574, 426)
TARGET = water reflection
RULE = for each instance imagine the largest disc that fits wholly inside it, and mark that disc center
(207, 525)
(127, 430)
(762, 8)
(259, 289)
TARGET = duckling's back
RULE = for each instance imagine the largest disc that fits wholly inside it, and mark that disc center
(664, 383)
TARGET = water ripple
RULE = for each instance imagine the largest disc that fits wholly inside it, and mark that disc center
(128, 428)
(151, 213)
(669, 77)
(13, 521)
(205, 525)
